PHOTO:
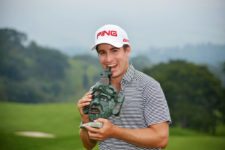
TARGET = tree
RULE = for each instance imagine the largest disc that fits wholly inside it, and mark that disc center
(48, 63)
(11, 47)
(11, 38)
(140, 62)
(194, 94)
(30, 73)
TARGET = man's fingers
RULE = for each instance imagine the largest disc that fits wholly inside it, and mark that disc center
(102, 120)
(83, 104)
(91, 129)
(94, 133)
(94, 136)
(84, 100)
(87, 94)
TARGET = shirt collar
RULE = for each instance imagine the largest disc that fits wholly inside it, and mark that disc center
(129, 74)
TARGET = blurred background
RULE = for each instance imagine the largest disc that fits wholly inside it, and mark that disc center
(46, 65)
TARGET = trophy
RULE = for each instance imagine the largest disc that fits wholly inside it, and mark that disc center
(105, 101)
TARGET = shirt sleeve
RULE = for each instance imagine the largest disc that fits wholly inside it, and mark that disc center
(156, 108)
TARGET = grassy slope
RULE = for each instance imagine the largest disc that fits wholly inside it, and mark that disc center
(63, 120)
(196, 143)
(59, 119)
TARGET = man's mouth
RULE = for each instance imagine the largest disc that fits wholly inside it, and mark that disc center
(94, 110)
(113, 66)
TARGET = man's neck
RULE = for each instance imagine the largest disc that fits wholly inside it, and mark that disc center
(116, 83)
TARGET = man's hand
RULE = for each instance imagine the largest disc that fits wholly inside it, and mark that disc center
(84, 101)
(102, 133)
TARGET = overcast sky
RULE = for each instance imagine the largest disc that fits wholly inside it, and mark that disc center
(149, 23)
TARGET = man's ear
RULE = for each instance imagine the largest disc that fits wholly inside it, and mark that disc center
(127, 49)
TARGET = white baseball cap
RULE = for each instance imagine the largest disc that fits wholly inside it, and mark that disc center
(111, 34)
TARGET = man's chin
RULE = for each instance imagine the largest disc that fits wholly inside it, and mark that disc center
(115, 75)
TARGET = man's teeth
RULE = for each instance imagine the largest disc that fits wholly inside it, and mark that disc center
(111, 65)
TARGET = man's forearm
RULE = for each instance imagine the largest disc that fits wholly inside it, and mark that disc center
(146, 137)
(87, 143)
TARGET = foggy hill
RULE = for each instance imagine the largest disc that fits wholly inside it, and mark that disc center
(209, 54)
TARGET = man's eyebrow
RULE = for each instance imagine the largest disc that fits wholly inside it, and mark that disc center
(114, 48)
(100, 50)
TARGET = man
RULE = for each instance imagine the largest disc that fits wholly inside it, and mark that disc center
(144, 118)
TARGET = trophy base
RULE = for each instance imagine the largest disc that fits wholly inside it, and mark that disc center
(92, 124)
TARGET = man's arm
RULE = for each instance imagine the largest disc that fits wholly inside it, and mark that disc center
(84, 101)
(153, 136)
(87, 142)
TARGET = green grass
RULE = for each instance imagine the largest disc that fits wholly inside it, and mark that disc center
(196, 143)
(62, 119)
(59, 119)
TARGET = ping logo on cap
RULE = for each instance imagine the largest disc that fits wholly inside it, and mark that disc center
(108, 33)
(125, 40)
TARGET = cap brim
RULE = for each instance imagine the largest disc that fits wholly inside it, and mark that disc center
(115, 44)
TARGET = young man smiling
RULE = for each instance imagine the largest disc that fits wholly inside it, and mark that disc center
(144, 119)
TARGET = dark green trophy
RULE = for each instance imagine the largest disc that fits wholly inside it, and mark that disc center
(105, 100)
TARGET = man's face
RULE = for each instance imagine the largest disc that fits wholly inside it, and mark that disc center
(103, 102)
(116, 58)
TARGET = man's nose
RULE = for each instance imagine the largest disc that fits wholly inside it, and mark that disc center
(109, 58)
(96, 101)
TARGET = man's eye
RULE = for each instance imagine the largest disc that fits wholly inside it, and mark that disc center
(101, 53)
(115, 50)
(104, 99)
(96, 93)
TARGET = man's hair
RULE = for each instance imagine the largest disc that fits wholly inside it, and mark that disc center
(125, 46)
